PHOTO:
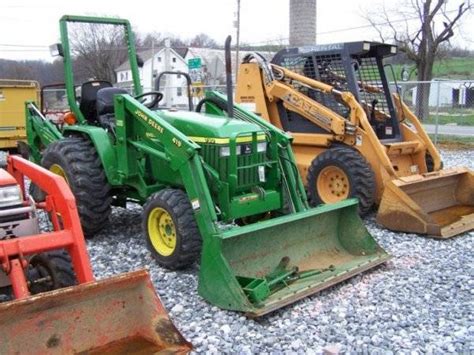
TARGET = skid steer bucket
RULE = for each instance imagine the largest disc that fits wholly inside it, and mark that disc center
(119, 315)
(262, 267)
(440, 204)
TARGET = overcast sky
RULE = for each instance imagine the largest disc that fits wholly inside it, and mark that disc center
(35, 22)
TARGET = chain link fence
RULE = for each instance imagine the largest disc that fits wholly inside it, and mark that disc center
(446, 107)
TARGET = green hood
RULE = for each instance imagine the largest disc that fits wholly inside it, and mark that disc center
(195, 124)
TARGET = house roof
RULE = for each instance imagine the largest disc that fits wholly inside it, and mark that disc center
(208, 55)
(147, 54)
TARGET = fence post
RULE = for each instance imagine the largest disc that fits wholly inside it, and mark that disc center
(437, 113)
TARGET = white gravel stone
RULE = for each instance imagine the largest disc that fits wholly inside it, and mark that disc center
(418, 302)
(177, 308)
(225, 329)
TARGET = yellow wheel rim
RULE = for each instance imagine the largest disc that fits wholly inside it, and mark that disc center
(58, 170)
(162, 231)
(332, 184)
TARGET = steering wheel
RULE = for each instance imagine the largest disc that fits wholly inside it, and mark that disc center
(157, 98)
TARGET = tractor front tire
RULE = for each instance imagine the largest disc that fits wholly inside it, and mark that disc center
(171, 230)
(340, 173)
(50, 271)
(76, 159)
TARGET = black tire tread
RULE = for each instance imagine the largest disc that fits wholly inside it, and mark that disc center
(177, 203)
(60, 263)
(361, 175)
(63, 265)
(79, 159)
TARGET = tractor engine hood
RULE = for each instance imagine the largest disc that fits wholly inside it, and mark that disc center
(195, 124)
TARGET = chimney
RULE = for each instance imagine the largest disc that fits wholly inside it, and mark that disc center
(302, 22)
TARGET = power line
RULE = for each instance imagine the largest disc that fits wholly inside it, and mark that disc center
(24, 50)
(21, 45)
(271, 41)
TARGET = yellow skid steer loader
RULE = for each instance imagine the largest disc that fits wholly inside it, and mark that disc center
(352, 138)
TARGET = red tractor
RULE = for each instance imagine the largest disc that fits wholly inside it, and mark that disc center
(49, 299)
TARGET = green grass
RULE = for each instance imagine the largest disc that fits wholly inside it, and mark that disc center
(453, 142)
(461, 119)
(452, 68)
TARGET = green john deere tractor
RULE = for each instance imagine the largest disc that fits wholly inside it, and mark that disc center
(221, 187)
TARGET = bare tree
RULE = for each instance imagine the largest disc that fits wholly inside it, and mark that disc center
(98, 49)
(202, 40)
(423, 42)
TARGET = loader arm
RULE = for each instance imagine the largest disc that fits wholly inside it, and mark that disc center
(404, 112)
(39, 130)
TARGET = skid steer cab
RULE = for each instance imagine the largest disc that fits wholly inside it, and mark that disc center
(49, 300)
(354, 139)
(219, 186)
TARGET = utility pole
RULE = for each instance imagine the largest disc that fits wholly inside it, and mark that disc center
(152, 64)
(237, 25)
(168, 93)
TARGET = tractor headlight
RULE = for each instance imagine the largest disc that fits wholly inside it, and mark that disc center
(243, 149)
(10, 196)
(262, 147)
(224, 151)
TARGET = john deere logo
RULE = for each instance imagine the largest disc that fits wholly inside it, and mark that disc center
(149, 120)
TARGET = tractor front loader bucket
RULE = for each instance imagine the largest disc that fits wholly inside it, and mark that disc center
(118, 315)
(440, 204)
(264, 266)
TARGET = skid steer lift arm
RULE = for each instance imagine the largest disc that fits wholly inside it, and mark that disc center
(278, 83)
(278, 86)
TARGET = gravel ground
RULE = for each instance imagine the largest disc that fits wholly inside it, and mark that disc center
(420, 301)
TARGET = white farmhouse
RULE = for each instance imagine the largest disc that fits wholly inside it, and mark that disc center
(155, 62)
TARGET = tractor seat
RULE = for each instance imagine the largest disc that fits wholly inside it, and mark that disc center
(89, 92)
(105, 100)
(105, 107)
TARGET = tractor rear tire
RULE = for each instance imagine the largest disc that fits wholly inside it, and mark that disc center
(339, 173)
(171, 230)
(50, 271)
(77, 160)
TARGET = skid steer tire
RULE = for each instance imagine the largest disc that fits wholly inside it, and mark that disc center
(357, 180)
(76, 159)
(50, 271)
(170, 228)
(430, 163)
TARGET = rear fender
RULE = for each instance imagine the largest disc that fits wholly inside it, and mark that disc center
(103, 145)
